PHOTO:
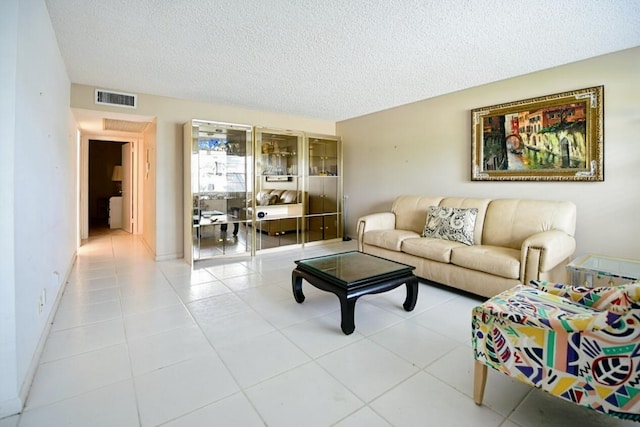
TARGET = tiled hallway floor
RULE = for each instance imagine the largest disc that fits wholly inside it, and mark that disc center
(143, 343)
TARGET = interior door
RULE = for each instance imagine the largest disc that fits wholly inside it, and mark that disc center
(127, 185)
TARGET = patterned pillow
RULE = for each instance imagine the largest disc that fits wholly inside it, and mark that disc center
(455, 224)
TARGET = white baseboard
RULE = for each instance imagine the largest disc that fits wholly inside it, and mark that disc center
(11, 407)
(35, 360)
(169, 257)
(160, 257)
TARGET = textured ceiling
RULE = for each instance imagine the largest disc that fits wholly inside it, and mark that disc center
(328, 59)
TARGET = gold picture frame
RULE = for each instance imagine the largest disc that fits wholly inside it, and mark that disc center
(550, 138)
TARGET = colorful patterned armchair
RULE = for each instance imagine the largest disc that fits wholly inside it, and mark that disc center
(579, 344)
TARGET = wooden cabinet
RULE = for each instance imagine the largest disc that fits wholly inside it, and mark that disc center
(274, 233)
(323, 195)
(322, 227)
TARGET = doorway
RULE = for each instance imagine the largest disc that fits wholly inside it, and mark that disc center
(109, 190)
(105, 186)
(128, 137)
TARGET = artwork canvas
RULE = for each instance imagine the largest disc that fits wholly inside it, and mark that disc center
(551, 138)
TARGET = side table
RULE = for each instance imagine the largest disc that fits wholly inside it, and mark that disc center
(600, 270)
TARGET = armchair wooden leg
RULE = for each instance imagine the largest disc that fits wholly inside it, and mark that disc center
(479, 381)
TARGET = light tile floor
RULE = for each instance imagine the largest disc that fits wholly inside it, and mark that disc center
(143, 343)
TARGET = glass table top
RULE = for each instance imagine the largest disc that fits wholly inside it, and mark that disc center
(607, 266)
(351, 268)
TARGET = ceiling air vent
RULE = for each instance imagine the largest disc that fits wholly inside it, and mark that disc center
(117, 99)
(124, 125)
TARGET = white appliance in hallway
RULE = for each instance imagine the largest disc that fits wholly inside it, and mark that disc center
(115, 212)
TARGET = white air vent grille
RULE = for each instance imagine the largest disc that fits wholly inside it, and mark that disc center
(118, 99)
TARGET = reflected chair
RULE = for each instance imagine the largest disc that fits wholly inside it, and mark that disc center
(580, 344)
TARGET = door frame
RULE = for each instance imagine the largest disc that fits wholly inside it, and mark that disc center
(135, 189)
(129, 182)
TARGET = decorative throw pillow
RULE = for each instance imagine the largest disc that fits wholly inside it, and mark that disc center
(455, 224)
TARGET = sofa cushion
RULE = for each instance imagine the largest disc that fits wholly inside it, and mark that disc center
(411, 211)
(266, 199)
(430, 248)
(509, 222)
(494, 260)
(288, 196)
(454, 224)
(388, 239)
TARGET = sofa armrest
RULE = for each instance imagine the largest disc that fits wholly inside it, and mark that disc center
(543, 252)
(376, 221)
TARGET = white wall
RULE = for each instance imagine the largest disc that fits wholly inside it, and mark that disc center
(9, 401)
(38, 210)
(166, 153)
(425, 148)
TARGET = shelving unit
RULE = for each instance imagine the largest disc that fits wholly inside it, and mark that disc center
(217, 162)
(248, 189)
(278, 220)
(324, 188)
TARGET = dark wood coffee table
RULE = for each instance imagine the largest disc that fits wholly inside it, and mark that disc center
(350, 275)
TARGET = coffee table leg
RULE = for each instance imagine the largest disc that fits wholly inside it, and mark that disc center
(412, 294)
(296, 285)
(347, 309)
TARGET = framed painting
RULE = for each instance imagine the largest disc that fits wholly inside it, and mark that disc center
(550, 138)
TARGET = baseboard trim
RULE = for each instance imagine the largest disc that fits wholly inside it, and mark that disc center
(168, 257)
(11, 407)
(37, 354)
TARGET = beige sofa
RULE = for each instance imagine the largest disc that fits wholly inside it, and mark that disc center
(269, 197)
(514, 241)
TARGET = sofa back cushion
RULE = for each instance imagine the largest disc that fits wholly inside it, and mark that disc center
(267, 197)
(411, 211)
(466, 203)
(274, 197)
(289, 196)
(508, 222)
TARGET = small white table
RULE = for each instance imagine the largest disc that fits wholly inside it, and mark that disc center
(592, 269)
